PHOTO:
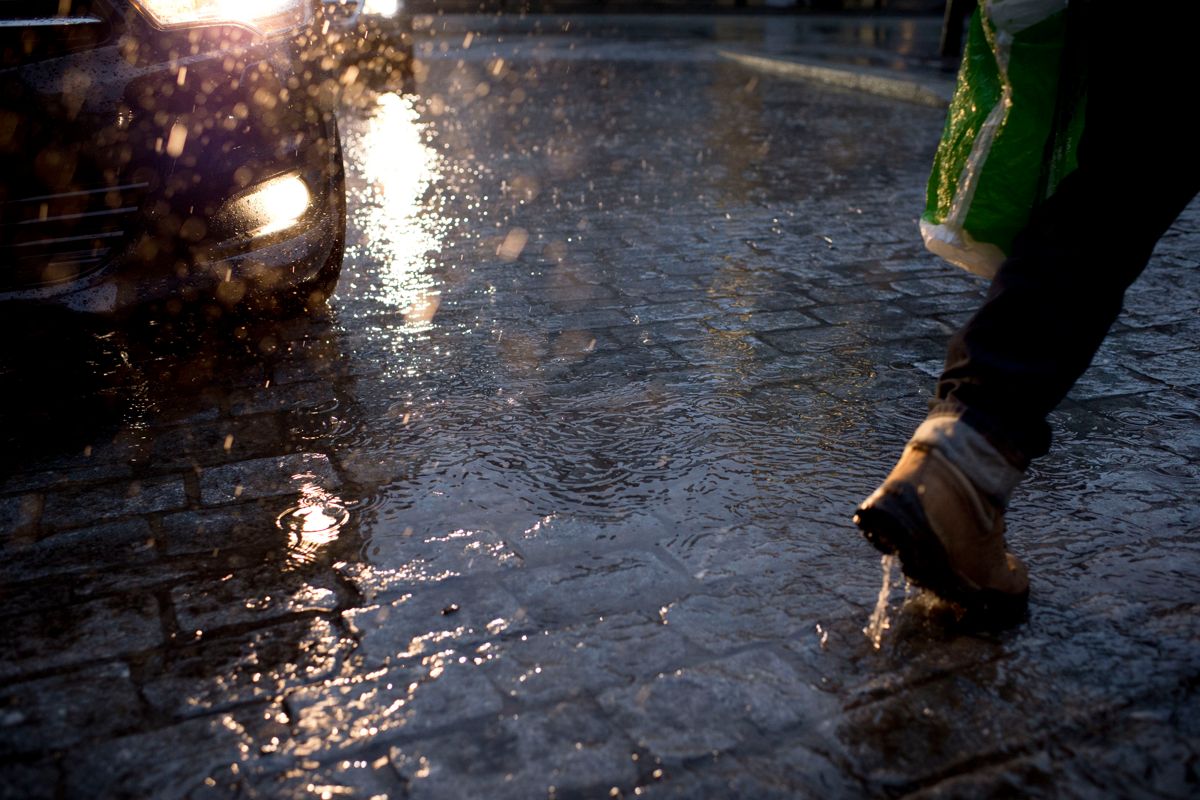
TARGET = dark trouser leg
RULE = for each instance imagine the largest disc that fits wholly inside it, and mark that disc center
(1054, 299)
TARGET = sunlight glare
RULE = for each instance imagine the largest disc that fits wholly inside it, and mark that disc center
(398, 233)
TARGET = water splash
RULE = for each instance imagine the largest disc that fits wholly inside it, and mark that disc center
(879, 621)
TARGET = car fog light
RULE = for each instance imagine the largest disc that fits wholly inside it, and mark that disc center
(271, 206)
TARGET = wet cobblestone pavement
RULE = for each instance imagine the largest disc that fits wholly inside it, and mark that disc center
(555, 502)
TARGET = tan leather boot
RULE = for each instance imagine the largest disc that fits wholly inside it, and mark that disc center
(948, 533)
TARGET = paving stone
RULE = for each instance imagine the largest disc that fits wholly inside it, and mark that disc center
(787, 566)
(20, 513)
(190, 409)
(277, 397)
(944, 306)
(439, 691)
(29, 781)
(252, 596)
(837, 340)
(566, 536)
(1109, 380)
(595, 587)
(37, 595)
(672, 312)
(148, 764)
(402, 558)
(267, 477)
(68, 509)
(584, 320)
(790, 772)
(763, 322)
(92, 549)
(368, 779)
(935, 728)
(559, 751)
(1177, 368)
(249, 526)
(52, 714)
(79, 472)
(740, 616)
(908, 386)
(882, 322)
(650, 288)
(740, 698)
(555, 664)
(726, 351)
(950, 283)
(151, 577)
(634, 361)
(779, 299)
(427, 618)
(838, 295)
(78, 634)
(227, 672)
(1143, 306)
(214, 442)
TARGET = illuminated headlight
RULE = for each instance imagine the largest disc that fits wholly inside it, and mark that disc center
(382, 8)
(271, 206)
(263, 16)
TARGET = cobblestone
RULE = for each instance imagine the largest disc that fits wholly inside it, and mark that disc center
(88, 549)
(551, 665)
(739, 697)
(563, 750)
(150, 764)
(211, 531)
(255, 666)
(266, 477)
(48, 714)
(592, 587)
(67, 509)
(82, 634)
(251, 596)
(425, 619)
(439, 692)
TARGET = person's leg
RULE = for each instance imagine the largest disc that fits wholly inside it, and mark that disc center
(1055, 298)
(1047, 312)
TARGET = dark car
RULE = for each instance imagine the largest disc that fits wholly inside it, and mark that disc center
(161, 153)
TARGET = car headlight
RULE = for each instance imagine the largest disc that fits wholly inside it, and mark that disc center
(264, 16)
(271, 206)
(382, 8)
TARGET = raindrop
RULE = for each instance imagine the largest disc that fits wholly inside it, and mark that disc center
(312, 526)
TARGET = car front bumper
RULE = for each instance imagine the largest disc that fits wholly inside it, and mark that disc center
(133, 171)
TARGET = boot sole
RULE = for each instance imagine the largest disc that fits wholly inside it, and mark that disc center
(896, 525)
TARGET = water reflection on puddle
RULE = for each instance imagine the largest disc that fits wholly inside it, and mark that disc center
(397, 235)
(313, 523)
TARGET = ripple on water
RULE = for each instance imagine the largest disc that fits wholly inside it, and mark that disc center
(711, 452)
(311, 526)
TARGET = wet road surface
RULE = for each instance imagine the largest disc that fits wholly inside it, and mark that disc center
(555, 501)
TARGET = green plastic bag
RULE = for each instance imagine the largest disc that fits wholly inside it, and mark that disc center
(1011, 133)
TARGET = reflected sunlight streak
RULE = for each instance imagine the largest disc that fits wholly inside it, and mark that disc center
(399, 168)
(313, 523)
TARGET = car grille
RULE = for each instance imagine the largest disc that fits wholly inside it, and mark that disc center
(61, 213)
(34, 30)
(52, 238)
